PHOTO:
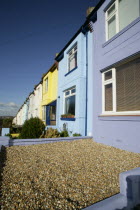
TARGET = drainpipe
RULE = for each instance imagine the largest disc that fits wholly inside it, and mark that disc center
(86, 83)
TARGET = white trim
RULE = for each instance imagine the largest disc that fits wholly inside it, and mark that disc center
(72, 51)
(67, 96)
(115, 13)
(114, 95)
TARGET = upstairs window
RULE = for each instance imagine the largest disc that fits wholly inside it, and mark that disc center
(69, 97)
(121, 88)
(46, 84)
(120, 14)
(72, 58)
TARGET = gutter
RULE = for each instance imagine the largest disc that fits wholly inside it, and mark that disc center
(86, 83)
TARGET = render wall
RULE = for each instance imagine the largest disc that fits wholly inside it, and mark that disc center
(75, 78)
(120, 131)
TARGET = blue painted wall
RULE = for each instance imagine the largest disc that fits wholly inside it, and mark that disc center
(120, 131)
(75, 78)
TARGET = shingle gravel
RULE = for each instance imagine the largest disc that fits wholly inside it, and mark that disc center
(62, 175)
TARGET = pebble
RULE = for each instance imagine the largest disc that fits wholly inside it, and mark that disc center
(61, 175)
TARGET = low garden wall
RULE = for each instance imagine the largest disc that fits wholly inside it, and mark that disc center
(5, 141)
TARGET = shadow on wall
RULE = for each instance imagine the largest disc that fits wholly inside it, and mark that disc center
(133, 193)
(3, 157)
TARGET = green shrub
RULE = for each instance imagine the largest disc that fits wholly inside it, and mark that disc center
(32, 128)
(77, 134)
(64, 133)
(50, 133)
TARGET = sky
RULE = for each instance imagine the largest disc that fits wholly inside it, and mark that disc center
(31, 33)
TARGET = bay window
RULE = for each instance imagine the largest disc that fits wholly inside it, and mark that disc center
(121, 88)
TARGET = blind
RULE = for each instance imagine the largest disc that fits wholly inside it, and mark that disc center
(128, 86)
(108, 97)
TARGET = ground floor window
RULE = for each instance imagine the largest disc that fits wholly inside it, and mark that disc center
(121, 88)
(69, 101)
(44, 113)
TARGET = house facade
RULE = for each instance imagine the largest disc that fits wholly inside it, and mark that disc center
(49, 96)
(31, 105)
(72, 84)
(19, 117)
(115, 88)
(37, 100)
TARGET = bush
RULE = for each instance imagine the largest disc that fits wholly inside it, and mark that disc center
(51, 133)
(77, 134)
(32, 128)
(64, 133)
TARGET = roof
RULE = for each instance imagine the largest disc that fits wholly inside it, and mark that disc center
(84, 28)
(52, 68)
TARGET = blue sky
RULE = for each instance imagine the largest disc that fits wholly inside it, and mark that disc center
(32, 32)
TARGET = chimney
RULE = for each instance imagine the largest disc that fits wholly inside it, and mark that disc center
(89, 10)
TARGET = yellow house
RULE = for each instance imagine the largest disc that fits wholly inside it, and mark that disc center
(49, 95)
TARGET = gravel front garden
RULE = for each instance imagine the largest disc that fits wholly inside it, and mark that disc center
(62, 175)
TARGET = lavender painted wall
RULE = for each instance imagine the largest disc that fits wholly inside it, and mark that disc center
(119, 131)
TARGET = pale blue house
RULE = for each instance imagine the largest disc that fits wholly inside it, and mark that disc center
(72, 83)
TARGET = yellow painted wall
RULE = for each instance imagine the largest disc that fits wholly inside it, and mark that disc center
(50, 95)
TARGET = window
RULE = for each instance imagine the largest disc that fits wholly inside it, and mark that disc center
(69, 96)
(120, 14)
(72, 58)
(52, 115)
(44, 113)
(121, 88)
(46, 84)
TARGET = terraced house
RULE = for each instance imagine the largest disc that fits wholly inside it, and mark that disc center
(115, 92)
(74, 68)
(49, 96)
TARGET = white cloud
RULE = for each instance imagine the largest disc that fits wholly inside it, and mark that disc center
(8, 109)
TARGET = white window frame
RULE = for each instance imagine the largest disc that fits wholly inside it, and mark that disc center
(116, 13)
(66, 96)
(113, 82)
(44, 113)
(73, 51)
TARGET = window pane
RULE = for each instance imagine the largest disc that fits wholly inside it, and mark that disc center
(130, 7)
(128, 86)
(70, 105)
(73, 90)
(108, 97)
(112, 27)
(52, 112)
(72, 61)
(111, 10)
(108, 75)
(67, 93)
(52, 115)
(47, 84)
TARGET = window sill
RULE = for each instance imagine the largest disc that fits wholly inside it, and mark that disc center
(118, 117)
(71, 71)
(121, 32)
(68, 119)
